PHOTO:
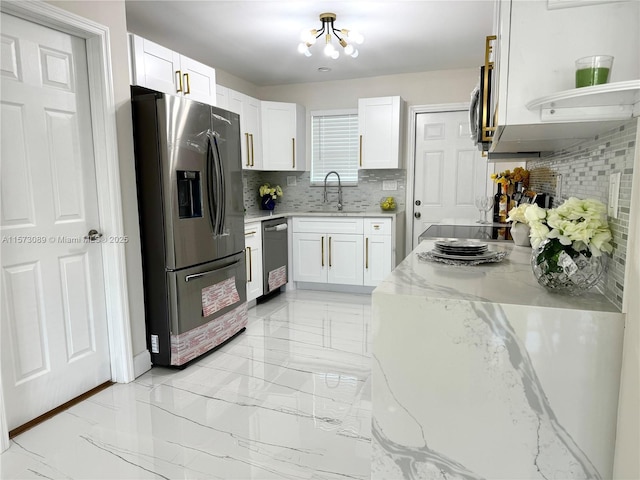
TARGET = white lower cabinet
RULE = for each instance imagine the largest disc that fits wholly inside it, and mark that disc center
(253, 258)
(378, 250)
(342, 251)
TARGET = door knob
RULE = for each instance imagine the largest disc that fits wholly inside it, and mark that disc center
(417, 214)
(93, 235)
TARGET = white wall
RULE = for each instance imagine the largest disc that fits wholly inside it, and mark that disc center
(626, 462)
(112, 14)
(445, 86)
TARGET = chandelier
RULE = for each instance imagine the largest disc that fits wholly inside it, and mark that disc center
(309, 38)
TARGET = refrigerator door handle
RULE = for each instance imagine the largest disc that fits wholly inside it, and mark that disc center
(222, 211)
(211, 186)
(209, 272)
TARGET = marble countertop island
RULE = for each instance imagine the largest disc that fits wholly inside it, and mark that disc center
(480, 373)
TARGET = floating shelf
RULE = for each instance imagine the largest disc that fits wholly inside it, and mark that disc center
(611, 101)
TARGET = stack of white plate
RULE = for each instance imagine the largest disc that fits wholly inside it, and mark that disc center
(456, 249)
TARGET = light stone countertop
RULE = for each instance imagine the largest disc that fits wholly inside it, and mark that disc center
(480, 373)
(510, 281)
(264, 215)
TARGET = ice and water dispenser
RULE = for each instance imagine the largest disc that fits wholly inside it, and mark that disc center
(189, 194)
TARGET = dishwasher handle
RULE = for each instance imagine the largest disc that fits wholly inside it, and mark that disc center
(276, 228)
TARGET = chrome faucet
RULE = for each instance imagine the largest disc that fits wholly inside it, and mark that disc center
(339, 189)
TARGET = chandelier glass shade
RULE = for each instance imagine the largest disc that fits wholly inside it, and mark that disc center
(345, 38)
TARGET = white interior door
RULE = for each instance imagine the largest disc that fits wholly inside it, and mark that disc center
(54, 328)
(449, 171)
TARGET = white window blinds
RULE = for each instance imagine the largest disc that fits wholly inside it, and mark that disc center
(334, 146)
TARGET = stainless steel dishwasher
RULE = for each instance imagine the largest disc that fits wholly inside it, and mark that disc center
(274, 254)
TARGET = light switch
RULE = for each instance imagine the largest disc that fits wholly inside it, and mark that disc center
(559, 186)
(614, 193)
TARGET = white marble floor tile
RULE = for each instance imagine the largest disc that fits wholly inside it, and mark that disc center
(288, 399)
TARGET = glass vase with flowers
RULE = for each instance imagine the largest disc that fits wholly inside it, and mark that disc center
(569, 243)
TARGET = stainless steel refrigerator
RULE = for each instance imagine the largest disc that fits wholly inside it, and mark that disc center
(190, 202)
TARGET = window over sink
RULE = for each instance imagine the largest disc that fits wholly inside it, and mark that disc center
(334, 146)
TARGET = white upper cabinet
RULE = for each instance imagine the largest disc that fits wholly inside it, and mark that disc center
(158, 68)
(380, 126)
(535, 100)
(283, 136)
(250, 127)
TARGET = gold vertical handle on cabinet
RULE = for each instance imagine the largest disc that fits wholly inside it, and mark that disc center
(366, 253)
(487, 131)
(322, 251)
(246, 137)
(293, 142)
(179, 75)
(252, 157)
(329, 252)
(187, 85)
(360, 150)
(250, 279)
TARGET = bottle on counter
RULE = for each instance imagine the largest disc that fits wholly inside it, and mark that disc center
(496, 204)
(504, 206)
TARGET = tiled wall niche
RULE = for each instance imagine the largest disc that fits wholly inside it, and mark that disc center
(585, 171)
(304, 197)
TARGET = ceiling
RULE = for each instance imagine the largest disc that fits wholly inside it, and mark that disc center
(257, 40)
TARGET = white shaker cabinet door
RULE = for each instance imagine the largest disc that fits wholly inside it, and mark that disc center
(377, 258)
(344, 259)
(198, 81)
(309, 257)
(155, 66)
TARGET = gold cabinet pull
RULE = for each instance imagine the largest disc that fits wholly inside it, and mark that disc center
(360, 150)
(329, 252)
(252, 158)
(293, 141)
(366, 253)
(246, 137)
(179, 75)
(246, 234)
(487, 131)
(250, 279)
(322, 251)
(187, 86)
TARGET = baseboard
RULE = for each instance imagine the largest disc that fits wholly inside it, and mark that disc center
(141, 363)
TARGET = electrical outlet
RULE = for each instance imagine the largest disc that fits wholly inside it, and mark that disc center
(291, 181)
(614, 193)
(389, 185)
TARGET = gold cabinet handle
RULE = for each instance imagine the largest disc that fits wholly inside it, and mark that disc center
(250, 267)
(293, 141)
(187, 86)
(360, 150)
(487, 131)
(179, 75)
(252, 157)
(366, 253)
(246, 136)
(322, 251)
(246, 234)
(329, 252)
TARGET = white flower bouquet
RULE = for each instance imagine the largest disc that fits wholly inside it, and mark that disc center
(580, 224)
(568, 243)
(517, 214)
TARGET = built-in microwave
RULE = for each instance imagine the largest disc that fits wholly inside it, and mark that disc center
(480, 116)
